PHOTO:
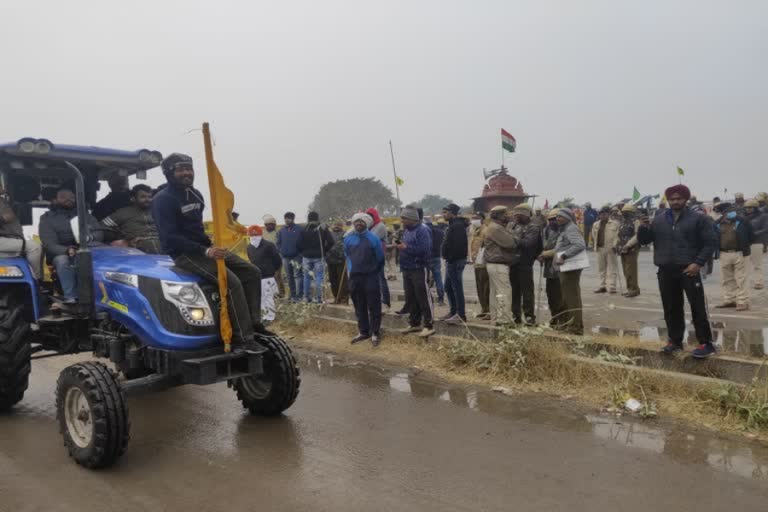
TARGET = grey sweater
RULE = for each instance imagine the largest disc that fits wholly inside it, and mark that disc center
(570, 242)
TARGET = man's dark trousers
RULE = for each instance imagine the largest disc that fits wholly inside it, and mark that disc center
(555, 301)
(244, 282)
(417, 297)
(521, 279)
(672, 284)
(454, 287)
(337, 275)
(366, 296)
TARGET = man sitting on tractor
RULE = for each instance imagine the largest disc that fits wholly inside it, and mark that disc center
(118, 197)
(178, 212)
(12, 242)
(59, 242)
(134, 224)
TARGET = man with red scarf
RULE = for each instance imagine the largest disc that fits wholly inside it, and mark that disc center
(683, 242)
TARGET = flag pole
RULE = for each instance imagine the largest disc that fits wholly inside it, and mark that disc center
(502, 151)
(221, 270)
(394, 172)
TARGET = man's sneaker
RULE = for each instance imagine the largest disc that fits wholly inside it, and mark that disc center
(758, 287)
(441, 302)
(612, 292)
(376, 340)
(726, 305)
(409, 330)
(530, 321)
(426, 332)
(631, 295)
(742, 307)
(455, 320)
(402, 312)
(601, 290)
(447, 317)
(359, 338)
(703, 351)
(670, 348)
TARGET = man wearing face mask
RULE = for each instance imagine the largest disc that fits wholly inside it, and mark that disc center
(178, 211)
(735, 241)
(264, 255)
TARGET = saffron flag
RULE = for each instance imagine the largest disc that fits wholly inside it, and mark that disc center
(226, 231)
(400, 182)
(680, 171)
(635, 194)
(508, 142)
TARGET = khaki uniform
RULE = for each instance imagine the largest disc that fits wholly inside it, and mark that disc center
(733, 266)
(607, 261)
(629, 248)
(756, 266)
(481, 272)
(499, 255)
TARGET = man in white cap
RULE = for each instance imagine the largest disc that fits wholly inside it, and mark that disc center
(365, 260)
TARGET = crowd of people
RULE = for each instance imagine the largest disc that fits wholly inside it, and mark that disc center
(361, 254)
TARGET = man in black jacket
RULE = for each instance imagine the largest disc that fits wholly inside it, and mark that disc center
(529, 245)
(454, 251)
(178, 211)
(265, 256)
(118, 197)
(314, 243)
(735, 244)
(59, 242)
(683, 242)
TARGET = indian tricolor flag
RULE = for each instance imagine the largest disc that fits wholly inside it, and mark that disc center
(508, 142)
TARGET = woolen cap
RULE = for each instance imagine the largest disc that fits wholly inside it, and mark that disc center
(410, 213)
(268, 219)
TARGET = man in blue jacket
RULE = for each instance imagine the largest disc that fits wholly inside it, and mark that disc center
(178, 212)
(365, 260)
(415, 254)
(288, 245)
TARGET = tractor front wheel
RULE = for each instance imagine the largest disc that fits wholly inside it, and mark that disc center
(275, 390)
(15, 351)
(93, 414)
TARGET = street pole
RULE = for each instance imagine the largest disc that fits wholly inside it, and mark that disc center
(394, 172)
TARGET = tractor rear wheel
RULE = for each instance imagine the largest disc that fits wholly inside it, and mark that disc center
(93, 414)
(275, 390)
(15, 351)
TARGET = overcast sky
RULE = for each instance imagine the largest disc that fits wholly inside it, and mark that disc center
(601, 96)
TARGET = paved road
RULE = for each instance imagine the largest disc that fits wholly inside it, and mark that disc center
(365, 438)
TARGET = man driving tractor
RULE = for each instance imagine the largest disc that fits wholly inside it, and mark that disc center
(178, 213)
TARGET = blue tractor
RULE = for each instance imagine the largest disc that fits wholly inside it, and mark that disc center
(156, 324)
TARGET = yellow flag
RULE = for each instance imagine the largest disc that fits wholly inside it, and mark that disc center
(226, 232)
(399, 181)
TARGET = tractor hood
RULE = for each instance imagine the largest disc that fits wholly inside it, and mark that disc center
(133, 261)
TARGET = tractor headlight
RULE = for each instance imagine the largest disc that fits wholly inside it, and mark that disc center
(190, 300)
(10, 271)
(43, 146)
(123, 278)
(150, 157)
(27, 145)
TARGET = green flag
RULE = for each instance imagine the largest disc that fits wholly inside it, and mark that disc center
(680, 171)
(635, 194)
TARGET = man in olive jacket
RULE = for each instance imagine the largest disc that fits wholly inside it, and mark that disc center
(500, 245)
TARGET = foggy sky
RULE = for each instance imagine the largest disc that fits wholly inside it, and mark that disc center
(601, 96)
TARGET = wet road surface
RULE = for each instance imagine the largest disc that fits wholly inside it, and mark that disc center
(365, 438)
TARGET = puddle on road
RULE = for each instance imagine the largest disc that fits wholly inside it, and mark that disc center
(748, 460)
(753, 342)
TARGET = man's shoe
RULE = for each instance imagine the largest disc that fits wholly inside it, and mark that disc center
(447, 317)
(426, 332)
(726, 305)
(704, 351)
(742, 307)
(670, 348)
(441, 302)
(758, 287)
(376, 340)
(530, 321)
(612, 292)
(631, 295)
(360, 337)
(409, 330)
(402, 312)
(455, 320)
(601, 290)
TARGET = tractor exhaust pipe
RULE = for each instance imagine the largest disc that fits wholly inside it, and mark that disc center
(84, 259)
